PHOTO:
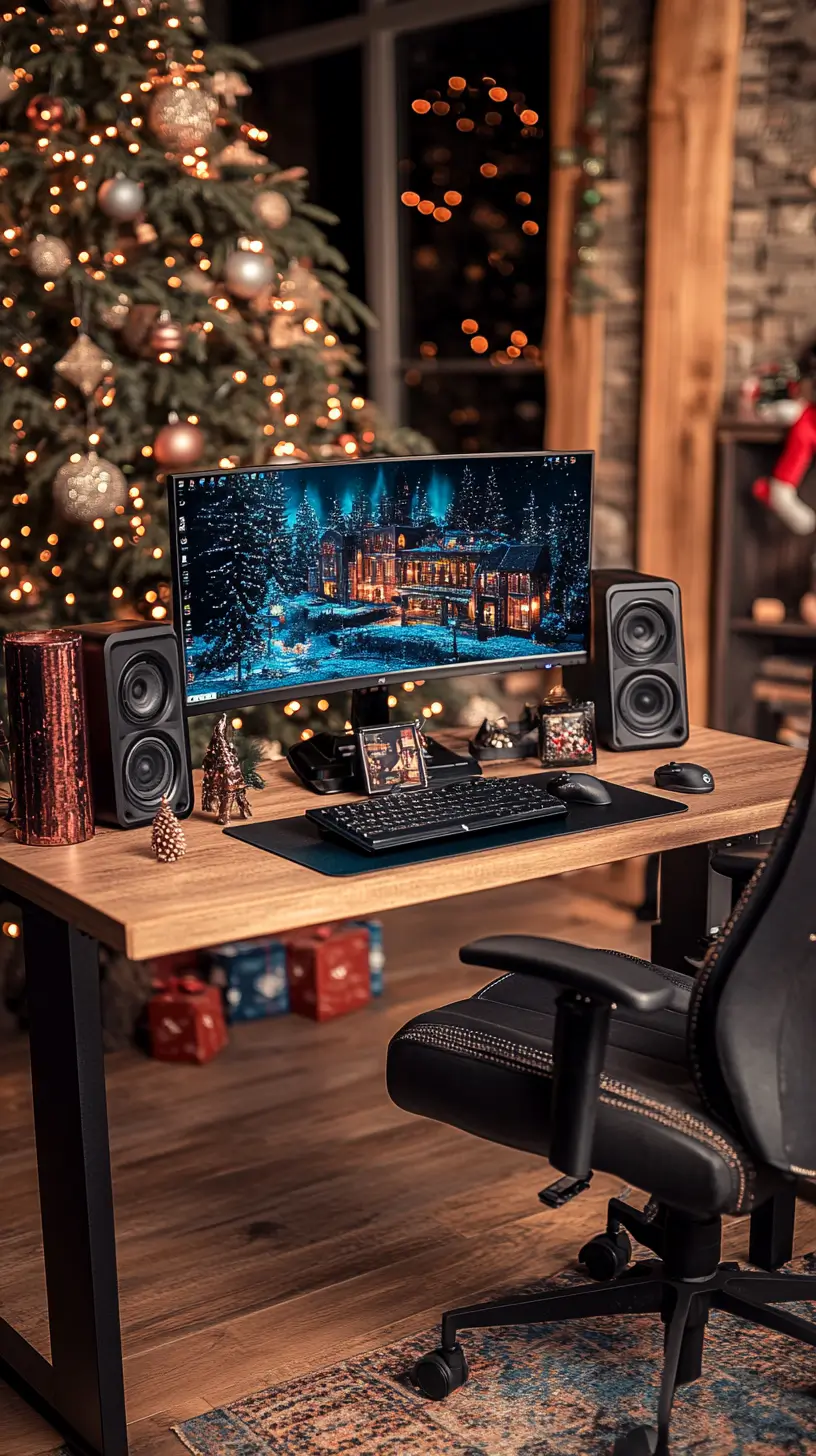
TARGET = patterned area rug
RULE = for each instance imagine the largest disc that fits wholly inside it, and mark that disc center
(560, 1390)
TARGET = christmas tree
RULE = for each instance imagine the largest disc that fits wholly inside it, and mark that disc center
(236, 537)
(168, 298)
(531, 521)
(491, 513)
(305, 545)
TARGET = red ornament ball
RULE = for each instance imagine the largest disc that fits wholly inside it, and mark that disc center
(46, 113)
(178, 445)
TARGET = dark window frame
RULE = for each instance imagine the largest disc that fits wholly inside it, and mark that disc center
(376, 29)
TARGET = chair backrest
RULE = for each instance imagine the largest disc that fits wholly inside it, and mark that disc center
(752, 1020)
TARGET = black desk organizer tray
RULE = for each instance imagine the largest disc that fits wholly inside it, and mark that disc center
(300, 841)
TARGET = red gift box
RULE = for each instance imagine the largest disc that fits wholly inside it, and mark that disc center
(186, 1020)
(328, 970)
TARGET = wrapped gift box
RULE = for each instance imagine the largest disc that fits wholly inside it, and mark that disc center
(376, 953)
(329, 971)
(252, 978)
(186, 1020)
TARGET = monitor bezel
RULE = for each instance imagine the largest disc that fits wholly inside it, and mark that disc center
(258, 697)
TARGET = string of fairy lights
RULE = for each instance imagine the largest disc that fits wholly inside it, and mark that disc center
(502, 105)
(78, 162)
(323, 705)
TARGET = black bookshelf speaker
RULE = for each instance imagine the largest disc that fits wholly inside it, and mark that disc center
(637, 669)
(140, 750)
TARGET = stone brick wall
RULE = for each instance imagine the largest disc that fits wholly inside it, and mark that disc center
(772, 285)
(771, 303)
(624, 58)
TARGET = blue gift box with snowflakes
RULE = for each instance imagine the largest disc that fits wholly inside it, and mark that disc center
(252, 978)
(376, 953)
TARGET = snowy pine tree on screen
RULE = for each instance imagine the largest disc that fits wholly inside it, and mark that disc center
(237, 522)
(531, 521)
(305, 545)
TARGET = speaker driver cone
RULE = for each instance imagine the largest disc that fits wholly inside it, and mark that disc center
(143, 689)
(150, 770)
(642, 632)
(647, 703)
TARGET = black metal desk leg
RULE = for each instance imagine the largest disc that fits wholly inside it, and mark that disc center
(692, 899)
(82, 1391)
(772, 1226)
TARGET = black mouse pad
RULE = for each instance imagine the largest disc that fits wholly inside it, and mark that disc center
(300, 840)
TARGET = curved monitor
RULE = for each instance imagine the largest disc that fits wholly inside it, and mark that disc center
(308, 578)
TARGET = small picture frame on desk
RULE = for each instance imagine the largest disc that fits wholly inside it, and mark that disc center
(391, 757)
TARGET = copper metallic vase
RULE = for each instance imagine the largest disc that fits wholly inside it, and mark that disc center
(50, 774)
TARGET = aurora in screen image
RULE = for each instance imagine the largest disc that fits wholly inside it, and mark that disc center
(319, 574)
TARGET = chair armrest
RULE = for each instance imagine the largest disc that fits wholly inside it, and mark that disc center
(593, 982)
(602, 975)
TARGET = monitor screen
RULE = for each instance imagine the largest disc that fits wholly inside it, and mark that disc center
(318, 576)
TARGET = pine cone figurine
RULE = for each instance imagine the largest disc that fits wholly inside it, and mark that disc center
(167, 841)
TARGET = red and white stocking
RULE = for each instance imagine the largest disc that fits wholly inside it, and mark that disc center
(780, 491)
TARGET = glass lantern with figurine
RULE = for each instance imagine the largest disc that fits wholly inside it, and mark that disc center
(566, 730)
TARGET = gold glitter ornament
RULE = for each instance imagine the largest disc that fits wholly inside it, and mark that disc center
(182, 117)
(301, 287)
(285, 332)
(84, 365)
(115, 316)
(88, 488)
(272, 209)
(8, 83)
(48, 257)
(240, 154)
(195, 280)
(229, 85)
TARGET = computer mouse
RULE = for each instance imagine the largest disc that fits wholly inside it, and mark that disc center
(685, 778)
(578, 788)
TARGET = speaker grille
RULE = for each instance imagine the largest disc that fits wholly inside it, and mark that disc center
(150, 770)
(643, 632)
(143, 689)
(647, 704)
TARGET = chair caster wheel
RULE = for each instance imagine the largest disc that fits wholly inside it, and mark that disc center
(606, 1255)
(437, 1375)
(640, 1441)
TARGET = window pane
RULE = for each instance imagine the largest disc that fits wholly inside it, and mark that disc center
(497, 409)
(474, 180)
(271, 17)
(313, 113)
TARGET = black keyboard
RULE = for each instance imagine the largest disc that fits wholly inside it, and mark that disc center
(420, 816)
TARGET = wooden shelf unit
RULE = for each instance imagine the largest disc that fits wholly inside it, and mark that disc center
(754, 556)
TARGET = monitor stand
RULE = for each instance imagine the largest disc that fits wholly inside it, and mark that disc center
(327, 763)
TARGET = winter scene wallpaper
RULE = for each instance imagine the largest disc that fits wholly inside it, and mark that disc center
(319, 574)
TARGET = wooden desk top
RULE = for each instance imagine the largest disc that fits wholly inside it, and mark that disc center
(223, 890)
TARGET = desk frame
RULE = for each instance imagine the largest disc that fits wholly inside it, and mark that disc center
(81, 1390)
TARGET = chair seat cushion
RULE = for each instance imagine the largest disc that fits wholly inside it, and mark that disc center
(485, 1065)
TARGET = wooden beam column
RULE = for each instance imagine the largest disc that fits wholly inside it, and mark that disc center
(691, 141)
(573, 343)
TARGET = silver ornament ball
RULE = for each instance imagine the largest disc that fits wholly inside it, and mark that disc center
(89, 488)
(121, 198)
(247, 273)
(48, 257)
(272, 209)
